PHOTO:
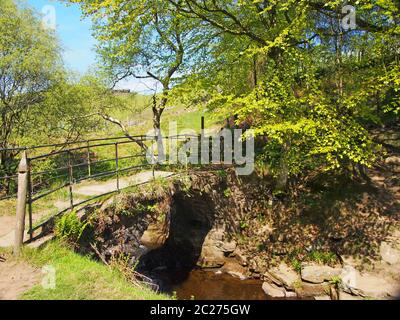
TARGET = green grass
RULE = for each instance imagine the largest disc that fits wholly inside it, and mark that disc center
(80, 278)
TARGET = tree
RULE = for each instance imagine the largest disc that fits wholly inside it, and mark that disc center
(316, 84)
(30, 65)
(145, 40)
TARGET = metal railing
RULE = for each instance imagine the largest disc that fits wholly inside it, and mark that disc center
(68, 173)
(72, 166)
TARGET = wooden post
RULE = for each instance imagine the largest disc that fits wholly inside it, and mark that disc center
(202, 126)
(21, 204)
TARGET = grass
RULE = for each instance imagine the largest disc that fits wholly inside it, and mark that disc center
(80, 278)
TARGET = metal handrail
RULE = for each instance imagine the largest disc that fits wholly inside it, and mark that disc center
(33, 197)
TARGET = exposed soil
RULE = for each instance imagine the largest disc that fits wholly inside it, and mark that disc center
(16, 277)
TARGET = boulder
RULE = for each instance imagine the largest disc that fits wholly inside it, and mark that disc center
(273, 291)
(375, 287)
(283, 275)
(366, 285)
(319, 274)
(394, 160)
(389, 254)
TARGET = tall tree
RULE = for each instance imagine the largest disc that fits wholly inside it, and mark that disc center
(30, 65)
(144, 40)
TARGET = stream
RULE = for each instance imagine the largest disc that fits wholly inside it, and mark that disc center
(201, 284)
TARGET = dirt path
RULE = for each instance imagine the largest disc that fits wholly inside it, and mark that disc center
(15, 278)
(94, 188)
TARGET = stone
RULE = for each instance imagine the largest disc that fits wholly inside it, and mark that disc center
(291, 294)
(322, 298)
(319, 274)
(284, 275)
(307, 290)
(389, 254)
(366, 285)
(228, 247)
(394, 160)
(273, 291)
(375, 287)
(349, 278)
(241, 258)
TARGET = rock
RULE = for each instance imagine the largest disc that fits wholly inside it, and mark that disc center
(283, 275)
(318, 274)
(389, 254)
(322, 298)
(273, 290)
(233, 268)
(269, 277)
(311, 290)
(290, 294)
(349, 278)
(241, 258)
(394, 160)
(375, 287)
(366, 285)
(228, 247)
(345, 296)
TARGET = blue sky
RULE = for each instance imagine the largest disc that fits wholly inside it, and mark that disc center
(76, 38)
(74, 33)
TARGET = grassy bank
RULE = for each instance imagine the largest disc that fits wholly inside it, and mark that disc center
(80, 278)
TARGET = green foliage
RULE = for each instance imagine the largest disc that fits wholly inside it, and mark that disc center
(227, 193)
(70, 228)
(222, 174)
(335, 281)
(322, 257)
(244, 225)
(296, 264)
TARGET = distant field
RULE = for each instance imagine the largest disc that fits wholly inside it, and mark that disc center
(138, 117)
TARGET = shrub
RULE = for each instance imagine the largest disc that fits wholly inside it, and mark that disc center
(70, 228)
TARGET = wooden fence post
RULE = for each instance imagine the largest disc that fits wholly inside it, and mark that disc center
(21, 204)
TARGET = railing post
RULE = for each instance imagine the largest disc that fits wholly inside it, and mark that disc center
(153, 162)
(88, 160)
(21, 204)
(117, 164)
(30, 193)
(71, 180)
